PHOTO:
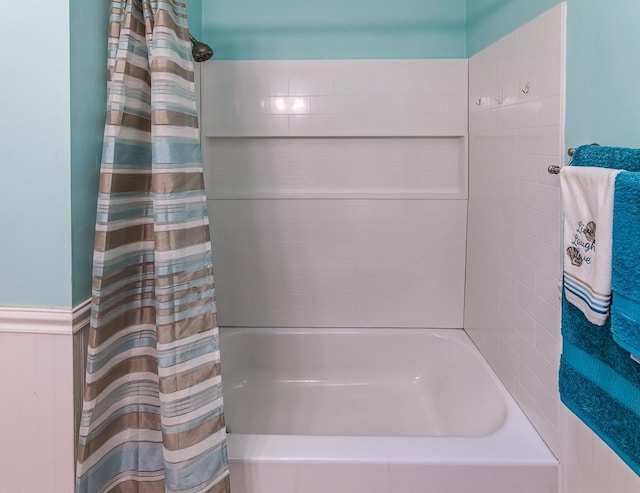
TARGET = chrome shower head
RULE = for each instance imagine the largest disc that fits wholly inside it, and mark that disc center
(201, 51)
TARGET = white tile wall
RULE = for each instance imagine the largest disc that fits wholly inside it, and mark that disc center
(513, 261)
(426, 167)
(36, 413)
(339, 263)
(513, 258)
(335, 253)
(334, 98)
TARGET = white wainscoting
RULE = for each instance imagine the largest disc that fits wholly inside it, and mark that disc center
(337, 191)
(37, 428)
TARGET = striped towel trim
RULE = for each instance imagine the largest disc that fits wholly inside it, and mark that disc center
(582, 293)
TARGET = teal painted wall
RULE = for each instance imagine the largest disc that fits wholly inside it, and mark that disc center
(88, 53)
(603, 100)
(335, 29)
(53, 107)
(53, 110)
(603, 46)
(35, 218)
(194, 12)
(490, 20)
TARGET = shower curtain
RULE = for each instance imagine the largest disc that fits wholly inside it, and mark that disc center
(152, 418)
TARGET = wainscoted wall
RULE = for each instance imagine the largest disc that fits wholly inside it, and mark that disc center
(513, 259)
(337, 191)
(37, 413)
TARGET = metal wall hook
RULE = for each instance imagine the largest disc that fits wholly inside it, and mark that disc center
(526, 88)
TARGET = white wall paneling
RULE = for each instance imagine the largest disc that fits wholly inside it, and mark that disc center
(36, 412)
(300, 159)
(38, 365)
(37, 415)
(44, 320)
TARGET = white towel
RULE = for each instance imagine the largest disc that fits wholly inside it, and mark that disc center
(587, 196)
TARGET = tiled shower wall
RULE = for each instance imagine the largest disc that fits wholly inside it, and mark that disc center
(337, 191)
(513, 259)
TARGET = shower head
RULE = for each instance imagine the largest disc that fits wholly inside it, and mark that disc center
(201, 51)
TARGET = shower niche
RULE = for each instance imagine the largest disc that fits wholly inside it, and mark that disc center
(336, 167)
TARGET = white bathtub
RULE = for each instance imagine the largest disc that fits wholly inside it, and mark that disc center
(373, 410)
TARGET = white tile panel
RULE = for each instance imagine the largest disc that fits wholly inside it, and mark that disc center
(519, 139)
(331, 168)
(514, 212)
(353, 263)
(359, 96)
(359, 104)
(311, 87)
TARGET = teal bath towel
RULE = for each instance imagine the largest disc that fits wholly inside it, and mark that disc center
(599, 381)
(607, 157)
(625, 273)
(600, 384)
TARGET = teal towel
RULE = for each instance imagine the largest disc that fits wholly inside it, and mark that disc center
(625, 271)
(600, 384)
(607, 157)
(598, 380)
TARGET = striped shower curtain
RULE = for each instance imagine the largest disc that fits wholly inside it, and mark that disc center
(152, 418)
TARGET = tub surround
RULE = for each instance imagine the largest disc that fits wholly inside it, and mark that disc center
(311, 228)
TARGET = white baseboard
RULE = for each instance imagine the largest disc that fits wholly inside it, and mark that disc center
(58, 321)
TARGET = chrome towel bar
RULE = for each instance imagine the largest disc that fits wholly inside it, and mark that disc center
(554, 170)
